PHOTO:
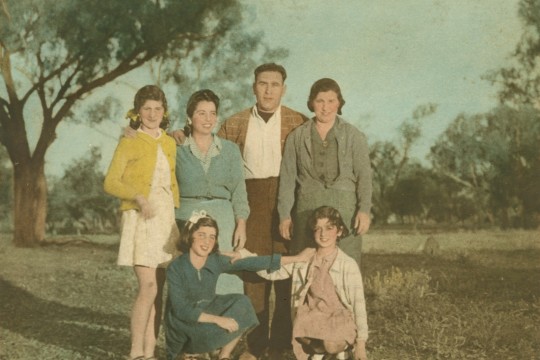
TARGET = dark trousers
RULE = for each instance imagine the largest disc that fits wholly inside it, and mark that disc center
(263, 238)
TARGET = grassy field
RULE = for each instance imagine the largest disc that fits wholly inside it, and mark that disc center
(476, 297)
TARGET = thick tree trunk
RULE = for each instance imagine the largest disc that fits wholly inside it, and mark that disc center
(30, 204)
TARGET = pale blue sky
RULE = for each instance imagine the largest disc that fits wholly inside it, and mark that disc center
(389, 56)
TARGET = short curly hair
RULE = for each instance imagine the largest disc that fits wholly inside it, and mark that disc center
(333, 216)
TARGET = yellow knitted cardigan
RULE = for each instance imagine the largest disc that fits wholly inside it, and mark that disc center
(132, 168)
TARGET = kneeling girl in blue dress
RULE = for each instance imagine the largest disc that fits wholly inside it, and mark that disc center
(197, 320)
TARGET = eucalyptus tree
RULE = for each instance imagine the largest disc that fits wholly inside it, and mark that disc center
(494, 158)
(520, 81)
(53, 54)
(78, 197)
(389, 159)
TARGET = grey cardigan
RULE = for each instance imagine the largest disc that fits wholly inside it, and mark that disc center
(297, 167)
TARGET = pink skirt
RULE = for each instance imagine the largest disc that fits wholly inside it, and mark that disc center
(315, 324)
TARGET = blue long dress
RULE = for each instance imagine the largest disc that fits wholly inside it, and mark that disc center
(217, 187)
(192, 292)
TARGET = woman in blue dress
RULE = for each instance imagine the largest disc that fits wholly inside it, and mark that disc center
(210, 174)
(197, 319)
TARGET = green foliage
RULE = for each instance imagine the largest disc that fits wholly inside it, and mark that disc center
(77, 201)
(93, 37)
(384, 158)
(228, 72)
(415, 193)
(389, 161)
(55, 53)
(520, 83)
(494, 158)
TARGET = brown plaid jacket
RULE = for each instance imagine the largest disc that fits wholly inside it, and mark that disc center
(235, 127)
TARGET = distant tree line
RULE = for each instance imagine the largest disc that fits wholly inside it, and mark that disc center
(485, 171)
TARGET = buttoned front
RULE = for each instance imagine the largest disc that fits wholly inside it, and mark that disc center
(132, 168)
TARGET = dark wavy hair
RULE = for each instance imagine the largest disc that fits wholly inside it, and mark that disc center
(323, 85)
(149, 92)
(194, 100)
(186, 241)
(270, 67)
(333, 216)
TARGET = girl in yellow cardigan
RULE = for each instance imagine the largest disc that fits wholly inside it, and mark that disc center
(142, 176)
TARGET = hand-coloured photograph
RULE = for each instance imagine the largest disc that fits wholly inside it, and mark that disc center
(269, 180)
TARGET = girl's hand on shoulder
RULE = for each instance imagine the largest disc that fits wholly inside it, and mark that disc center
(306, 254)
(234, 255)
(226, 323)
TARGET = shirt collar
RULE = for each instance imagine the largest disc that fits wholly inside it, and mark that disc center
(255, 113)
(215, 139)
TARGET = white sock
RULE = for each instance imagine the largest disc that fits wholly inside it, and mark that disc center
(342, 355)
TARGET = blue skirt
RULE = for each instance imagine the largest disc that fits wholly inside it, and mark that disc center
(196, 338)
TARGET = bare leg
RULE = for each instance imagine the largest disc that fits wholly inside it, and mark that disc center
(154, 320)
(143, 314)
(227, 350)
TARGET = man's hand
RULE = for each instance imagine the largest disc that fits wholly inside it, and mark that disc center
(361, 223)
(286, 229)
(239, 238)
(130, 132)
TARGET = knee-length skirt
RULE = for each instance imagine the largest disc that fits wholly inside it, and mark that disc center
(150, 242)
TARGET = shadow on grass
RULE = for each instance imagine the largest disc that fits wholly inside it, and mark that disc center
(90, 333)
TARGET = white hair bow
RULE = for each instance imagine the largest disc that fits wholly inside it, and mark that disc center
(197, 215)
